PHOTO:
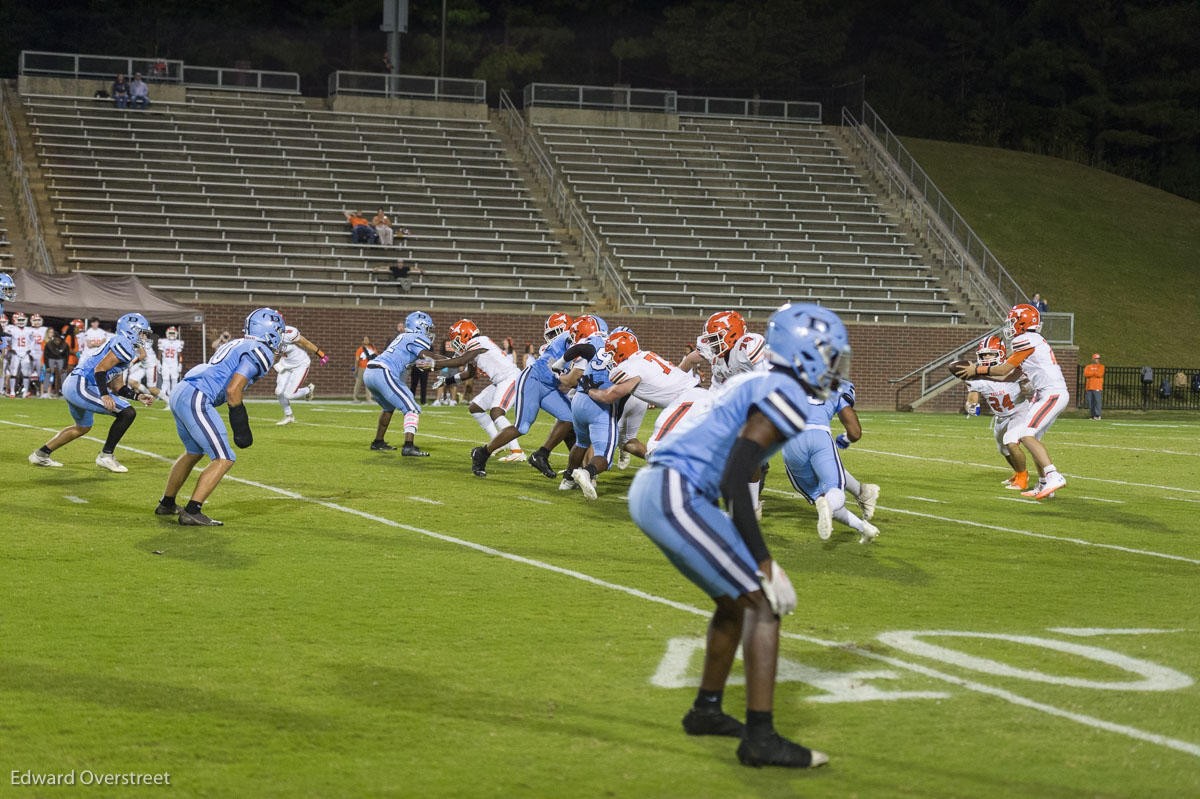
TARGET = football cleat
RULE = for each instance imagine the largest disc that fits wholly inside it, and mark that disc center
(1038, 486)
(289, 419)
(775, 750)
(587, 484)
(542, 463)
(479, 459)
(1054, 481)
(567, 483)
(712, 722)
(382, 446)
(107, 461)
(624, 460)
(167, 510)
(516, 456)
(39, 458)
(412, 450)
(824, 518)
(312, 392)
(197, 519)
(867, 500)
(869, 533)
(1017, 482)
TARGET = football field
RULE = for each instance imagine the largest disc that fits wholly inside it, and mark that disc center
(371, 625)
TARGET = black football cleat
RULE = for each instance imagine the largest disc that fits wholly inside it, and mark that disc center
(197, 520)
(775, 750)
(382, 446)
(479, 459)
(712, 722)
(414, 451)
(542, 463)
(167, 510)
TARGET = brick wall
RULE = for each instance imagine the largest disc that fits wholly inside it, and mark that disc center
(881, 351)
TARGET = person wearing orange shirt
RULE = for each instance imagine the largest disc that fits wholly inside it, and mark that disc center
(1093, 385)
(361, 357)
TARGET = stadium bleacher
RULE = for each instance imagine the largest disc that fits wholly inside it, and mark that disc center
(746, 213)
(242, 196)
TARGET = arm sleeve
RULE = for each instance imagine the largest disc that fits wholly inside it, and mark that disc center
(582, 350)
(744, 458)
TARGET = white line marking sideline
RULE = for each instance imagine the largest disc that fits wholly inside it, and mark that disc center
(1087, 631)
(1183, 499)
(1018, 499)
(927, 499)
(1090, 721)
(1101, 499)
(538, 501)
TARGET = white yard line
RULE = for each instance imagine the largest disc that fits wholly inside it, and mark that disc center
(1183, 499)
(426, 501)
(927, 499)
(76, 500)
(1092, 631)
(1102, 499)
(1018, 499)
(538, 501)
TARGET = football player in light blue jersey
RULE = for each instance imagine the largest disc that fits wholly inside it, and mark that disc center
(384, 378)
(713, 454)
(8, 290)
(87, 388)
(595, 424)
(815, 469)
(229, 372)
(538, 388)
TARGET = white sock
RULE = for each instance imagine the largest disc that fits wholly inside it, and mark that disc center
(837, 506)
(754, 491)
(502, 424)
(298, 394)
(853, 487)
(1050, 469)
(287, 406)
(410, 422)
(485, 421)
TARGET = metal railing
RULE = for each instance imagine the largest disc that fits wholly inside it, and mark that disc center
(1125, 391)
(36, 242)
(614, 98)
(79, 65)
(418, 87)
(249, 80)
(933, 375)
(749, 109)
(556, 190)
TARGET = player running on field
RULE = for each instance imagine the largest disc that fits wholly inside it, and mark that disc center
(815, 468)
(170, 351)
(489, 405)
(233, 368)
(1032, 354)
(87, 388)
(1006, 400)
(674, 502)
(292, 366)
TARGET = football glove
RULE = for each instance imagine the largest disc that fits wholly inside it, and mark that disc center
(438, 382)
(587, 383)
(842, 442)
(424, 363)
(324, 358)
(778, 589)
(972, 408)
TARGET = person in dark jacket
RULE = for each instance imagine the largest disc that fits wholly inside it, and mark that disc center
(120, 92)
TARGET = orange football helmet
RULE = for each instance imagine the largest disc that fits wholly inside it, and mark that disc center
(991, 351)
(19, 319)
(77, 324)
(721, 333)
(1022, 318)
(583, 327)
(461, 333)
(621, 346)
(556, 323)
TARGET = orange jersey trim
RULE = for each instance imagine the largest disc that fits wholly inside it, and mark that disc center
(673, 420)
(1018, 357)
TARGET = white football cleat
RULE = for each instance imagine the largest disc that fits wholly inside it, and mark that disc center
(38, 458)
(567, 484)
(758, 510)
(867, 500)
(1041, 483)
(583, 479)
(515, 457)
(625, 459)
(289, 419)
(869, 533)
(106, 461)
(824, 518)
(1054, 481)
(312, 392)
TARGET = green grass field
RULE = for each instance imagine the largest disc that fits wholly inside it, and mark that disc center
(371, 625)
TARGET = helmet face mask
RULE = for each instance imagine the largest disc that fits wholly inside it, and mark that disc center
(36, 320)
(419, 322)
(582, 328)
(1022, 318)
(991, 351)
(556, 324)
(621, 346)
(721, 333)
(461, 333)
(135, 328)
(172, 333)
(19, 319)
(262, 320)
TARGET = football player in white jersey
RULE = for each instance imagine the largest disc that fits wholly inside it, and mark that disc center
(293, 366)
(728, 349)
(170, 352)
(142, 375)
(630, 423)
(1006, 400)
(20, 366)
(490, 405)
(37, 346)
(92, 340)
(1032, 354)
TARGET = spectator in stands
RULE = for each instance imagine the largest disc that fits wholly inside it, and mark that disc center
(3, 239)
(158, 70)
(139, 93)
(401, 273)
(1040, 304)
(361, 231)
(56, 352)
(530, 354)
(1093, 385)
(364, 355)
(120, 92)
(383, 228)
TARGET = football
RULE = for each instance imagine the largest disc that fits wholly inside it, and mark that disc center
(956, 365)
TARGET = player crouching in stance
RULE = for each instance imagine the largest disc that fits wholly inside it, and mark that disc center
(1031, 353)
(1007, 403)
(231, 370)
(712, 454)
(489, 406)
(292, 367)
(815, 469)
(86, 390)
(385, 380)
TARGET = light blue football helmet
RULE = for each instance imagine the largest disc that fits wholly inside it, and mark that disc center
(271, 338)
(8, 289)
(601, 324)
(258, 322)
(419, 322)
(135, 328)
(810, 342)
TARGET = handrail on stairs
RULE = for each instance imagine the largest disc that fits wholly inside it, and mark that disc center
(18, 164)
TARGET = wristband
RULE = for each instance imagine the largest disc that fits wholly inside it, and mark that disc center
(101, 383)
(127, 392)
(984, 373)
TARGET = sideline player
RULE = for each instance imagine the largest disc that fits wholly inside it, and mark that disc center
(413, 349)
(37, 349)
(292, 367)
(674, 502)
(170, 351)
(231, 370)
(538, 388)
(19, 362)
(87, 392)
(92, 340)
(489, 405)
(1032, 354)
(1006, 400)
(815, 469)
